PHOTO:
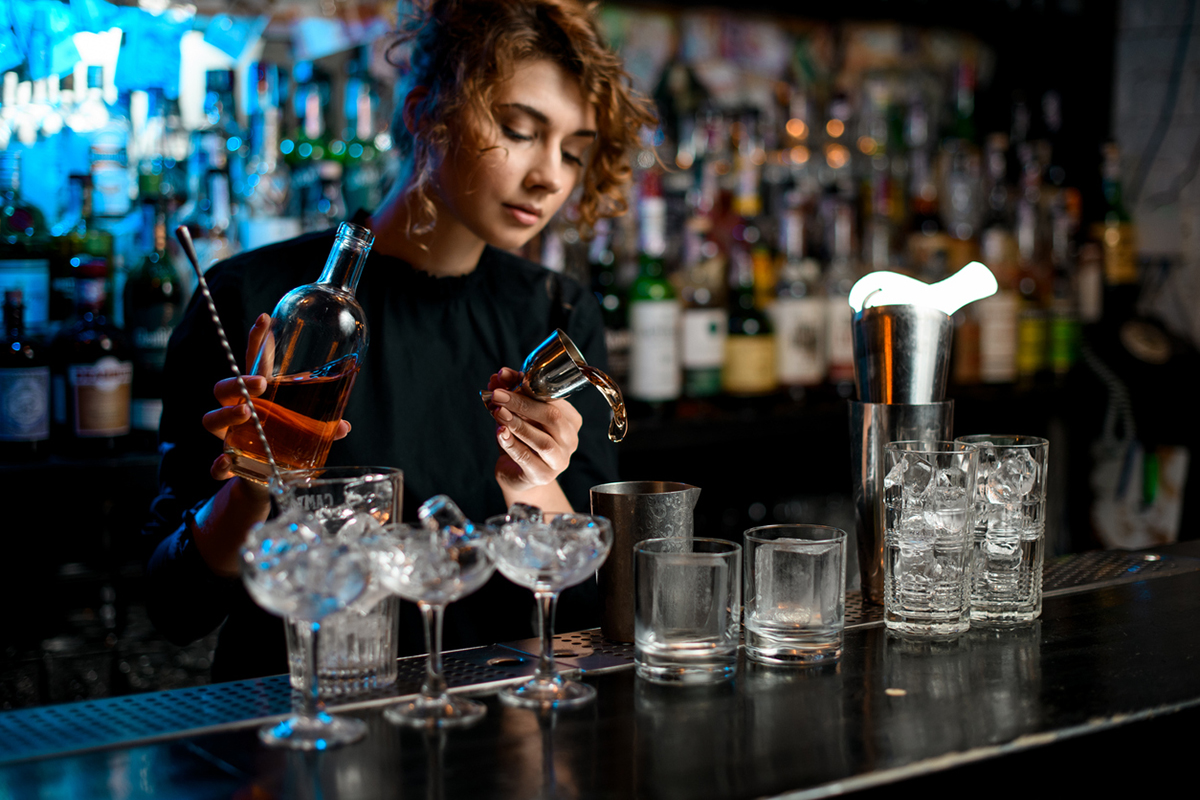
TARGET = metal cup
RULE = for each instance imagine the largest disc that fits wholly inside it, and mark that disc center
(552, 371)
(873, 425)
(902, 354)
(638, 510)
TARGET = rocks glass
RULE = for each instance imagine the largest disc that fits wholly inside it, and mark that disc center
(360, 645)
(547, 557)
(688, 609)
(928, 493)
(1010, 528)
(795, 606)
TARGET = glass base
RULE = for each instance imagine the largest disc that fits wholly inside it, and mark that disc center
(446, 711)
(548, 693)
(910, 626)
(313, 733)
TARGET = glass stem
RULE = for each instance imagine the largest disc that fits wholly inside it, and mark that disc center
(547, 603)
(435, 681)
(312, 695)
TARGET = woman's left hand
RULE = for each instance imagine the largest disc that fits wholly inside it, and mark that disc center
(537, 438)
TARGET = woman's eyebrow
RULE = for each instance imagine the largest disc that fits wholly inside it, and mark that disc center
(543, 119)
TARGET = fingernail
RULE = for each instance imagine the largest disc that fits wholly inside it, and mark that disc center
(504, 414)
(500, 396)
(503, 433)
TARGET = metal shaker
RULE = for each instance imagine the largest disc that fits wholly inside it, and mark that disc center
(638, 510)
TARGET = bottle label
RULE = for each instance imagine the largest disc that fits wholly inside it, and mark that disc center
(110, 174)
(839, 319)
(25, 404)
(998, 337)
(654, 362)
(704, 332)
(749, 365)
(800, 340)
(101, 394)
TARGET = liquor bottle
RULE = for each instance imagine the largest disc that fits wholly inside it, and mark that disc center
(602, 258)
(25, 245)
(363, 164)
(705, 318)
(310, 365)
(798, 312)
(750, 366)
(92, 370)
(24, 387)
(268, 180)
(108, 149)
(153, 306)
(655, 374)
(839, 279)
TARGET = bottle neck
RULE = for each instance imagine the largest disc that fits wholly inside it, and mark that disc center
(345, 263)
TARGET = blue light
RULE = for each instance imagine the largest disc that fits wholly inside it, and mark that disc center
(233, 144)
(287, 146)
(75, 261)
(356, 150)
(16, 346)
(304, 150)
(252, 181)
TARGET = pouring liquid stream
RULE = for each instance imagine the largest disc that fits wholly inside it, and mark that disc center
(612, 393)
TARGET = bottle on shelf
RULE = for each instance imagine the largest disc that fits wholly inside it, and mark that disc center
(705, 321)
(602, 258)
(25, 245)
(750, 364)
(655, 373)
(310, 366)
(363, 176)
(840, 276)
(24, 387)
(798, 312)
(153, 306)
(92, 370)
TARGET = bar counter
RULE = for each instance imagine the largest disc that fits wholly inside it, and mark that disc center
(1108, 677)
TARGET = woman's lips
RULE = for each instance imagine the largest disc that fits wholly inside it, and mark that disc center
(525, 215)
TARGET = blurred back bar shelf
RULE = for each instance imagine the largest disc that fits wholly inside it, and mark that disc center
(801, 146)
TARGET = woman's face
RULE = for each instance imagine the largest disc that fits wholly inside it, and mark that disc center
(531, 159)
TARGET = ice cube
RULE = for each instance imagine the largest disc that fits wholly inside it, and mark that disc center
(911, 475)
(523, 512)
(359, 526)
(581, 539)
(371, 493)
(440, 513)
(1012, 479)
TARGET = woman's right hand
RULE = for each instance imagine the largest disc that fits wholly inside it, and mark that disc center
(233, 410)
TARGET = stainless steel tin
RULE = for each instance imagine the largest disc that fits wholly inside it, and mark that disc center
(639, 510)
(902, 354)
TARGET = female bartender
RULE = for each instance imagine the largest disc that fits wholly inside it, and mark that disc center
(510, 105)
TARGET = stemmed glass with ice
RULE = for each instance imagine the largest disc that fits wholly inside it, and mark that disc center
(434, 563)
(292, 570)
(547, 556)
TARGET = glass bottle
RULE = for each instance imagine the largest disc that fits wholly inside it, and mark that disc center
(310, 359)
(24, 387)
(602, 259)
(153, 306)
(24, 244)
(798, 312)
(840, 276)
(363, 165)
(750, 367)
(655, 375)
(705, 319)
(92, 369)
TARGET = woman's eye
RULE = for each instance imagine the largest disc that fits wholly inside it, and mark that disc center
(573, 159)
(512, 134)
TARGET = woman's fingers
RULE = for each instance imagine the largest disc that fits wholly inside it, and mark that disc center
(228, 393)
(254, 341)
(222, 468)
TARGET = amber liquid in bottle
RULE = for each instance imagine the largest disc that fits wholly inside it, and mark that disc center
(299, 414)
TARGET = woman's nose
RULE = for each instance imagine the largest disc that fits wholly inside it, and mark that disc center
(546, 174)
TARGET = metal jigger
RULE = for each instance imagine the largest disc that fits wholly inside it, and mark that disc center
(552, 370)
(901, 369)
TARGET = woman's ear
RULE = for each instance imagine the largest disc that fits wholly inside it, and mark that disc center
(415, 97)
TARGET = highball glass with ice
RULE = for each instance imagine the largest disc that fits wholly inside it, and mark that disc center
(1010, 528)
(928, 494)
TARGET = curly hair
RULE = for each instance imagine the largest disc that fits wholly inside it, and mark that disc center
(461, 50)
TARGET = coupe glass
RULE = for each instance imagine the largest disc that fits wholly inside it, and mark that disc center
(290, 571)
(547, 557)
(433, 564)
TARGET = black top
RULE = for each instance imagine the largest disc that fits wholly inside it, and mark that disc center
(434, 342)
